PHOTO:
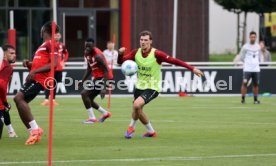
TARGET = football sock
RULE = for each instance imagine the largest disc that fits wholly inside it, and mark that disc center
(30, 130)
(91, 114)
(33, 125)
(243, 97)
(102, 110)
(10, 128)
(132, 123)
(255, 98)
(149, 127)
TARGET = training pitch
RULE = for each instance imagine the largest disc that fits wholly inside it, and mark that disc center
(208, 131)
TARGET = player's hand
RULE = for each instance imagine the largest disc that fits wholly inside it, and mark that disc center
(7, 106)
(103, 91)
(122, 50)
(25, 62)
(198, 72)
(30, 76)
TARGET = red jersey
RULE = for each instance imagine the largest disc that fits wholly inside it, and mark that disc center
(94, 67)
(62, 56)
(159, 55)
(5, 77)
(42, 57)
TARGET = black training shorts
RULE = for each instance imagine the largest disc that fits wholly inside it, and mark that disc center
(31, 90)
(147, 94)
(254, 75)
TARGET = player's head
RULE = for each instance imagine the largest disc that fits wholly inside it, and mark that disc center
(252, 37)
(262, 45)
(145, 40)
(46, 30)
(9, 53)
(57, 37)
(110, 45)
(89, 46)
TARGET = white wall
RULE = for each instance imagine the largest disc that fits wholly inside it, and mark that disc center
(222, 28)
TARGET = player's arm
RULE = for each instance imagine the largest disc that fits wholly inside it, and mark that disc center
(43, 69)
(122, 57)
(5, 76)
(163, 57)
(65, 53)
(242, 53)
(27, 63)
(86, 74)
(103, 66)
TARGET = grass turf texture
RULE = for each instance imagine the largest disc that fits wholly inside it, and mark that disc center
(230, 57)
(211, 129)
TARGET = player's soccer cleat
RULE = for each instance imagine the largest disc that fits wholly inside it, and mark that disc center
(104, 117)
(12, 135)
(257, 102)
(243, 101)
(90, 121)
(55, 103)
(35, 137)
(129, 132)
(45, 103)
(148, 134)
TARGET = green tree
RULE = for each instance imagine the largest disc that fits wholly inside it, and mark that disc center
(245, 6)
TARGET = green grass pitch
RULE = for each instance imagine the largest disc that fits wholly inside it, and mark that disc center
(193, 131)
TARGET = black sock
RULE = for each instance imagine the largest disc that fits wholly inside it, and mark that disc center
(243, 97)
(255, 98)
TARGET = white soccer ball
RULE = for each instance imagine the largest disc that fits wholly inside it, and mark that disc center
(129, 68)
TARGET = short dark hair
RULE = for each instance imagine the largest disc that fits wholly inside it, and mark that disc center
(5, 47)
(252, 33)
(145, 33)
(48, 27)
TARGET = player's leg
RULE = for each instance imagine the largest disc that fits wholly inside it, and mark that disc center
(255, 81)
(58, 78)
(94, 93)
(46, 100)
(145, 97)
(1, 122)
(22, 98)
(148, 95)
(7, 121)
(85, 94)
(246, 77)
(134, 116)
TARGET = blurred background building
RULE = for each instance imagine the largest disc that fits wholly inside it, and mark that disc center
(100, 19)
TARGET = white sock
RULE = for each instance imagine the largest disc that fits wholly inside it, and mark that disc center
(30, 130)
(133, 123)
(33, 125)
(102, 110)
(91, 114)
(10, 128)
(149, 127)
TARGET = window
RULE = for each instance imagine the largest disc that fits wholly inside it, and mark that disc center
(101, 4)
(68, 3)
(34, 3)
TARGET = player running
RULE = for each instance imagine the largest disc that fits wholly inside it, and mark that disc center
(35, 82)
(147, 87)
(97, 65)
(5, 76)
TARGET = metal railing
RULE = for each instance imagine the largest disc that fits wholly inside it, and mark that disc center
(203, 65)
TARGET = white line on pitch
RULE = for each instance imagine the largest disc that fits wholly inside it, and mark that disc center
(143, 159)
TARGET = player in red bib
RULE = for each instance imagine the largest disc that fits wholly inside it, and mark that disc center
(36, 81)
(62, 58)
(97, 65)
(5, 76)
